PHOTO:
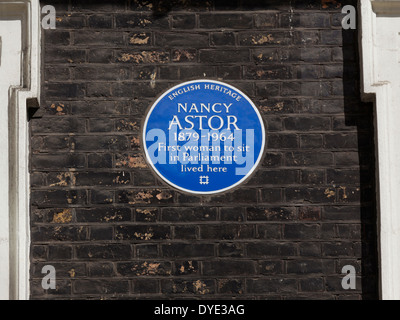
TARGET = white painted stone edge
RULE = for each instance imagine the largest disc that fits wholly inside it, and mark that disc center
(380, 92)
(29, 11)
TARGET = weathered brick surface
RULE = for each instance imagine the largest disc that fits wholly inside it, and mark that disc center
(113, 230)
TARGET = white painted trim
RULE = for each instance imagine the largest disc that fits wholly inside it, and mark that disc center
(28, 11)
(380, 65)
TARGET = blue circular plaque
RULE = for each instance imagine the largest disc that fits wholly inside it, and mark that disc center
(203, 137)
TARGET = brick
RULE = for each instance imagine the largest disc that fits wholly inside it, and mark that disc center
(266, 20)
(225, 21)
(57, 74)
(98, 90)
(263, 285)
(104, 73)
(92, 5)
(271, 195)
(114, 230)
(183, 250)
(188, 267)
(301, 231)
(65, 90)
(328, 231)
(58, 197)
(223, 39)
(310, 266)
(309, 213)
(102, 197)
(101, 286)
(100, 125)
(67, 55)
(146, 251)
(143, 57)
(231, 250)
(307, 123)
(185, 232)
(270, 5)
(196, 72)
(352, 231)
(305, 20)
(53, 215)
(272, 159)
(96, 143)
(140, 20)
(184, 21)
(310, 249)
(98, 38)
(269, 231)
(102, 178)
(267, 73)
(103, 252)
(151, 196)
(101, 233)
(60, 252)
(100, 56)
(145, 286)
(184, 55)
(312, 284)
(331, 37)
(270, 214)
(140, 39)
(39, 253)
(341, 140)
(144, 268)
(232, 214)
(282, 141)
(51, 125)
(106, 215)
(226, 232)
(59, 5)
(264, 38)
(277, 177)
(337, 249)
(195, 40)
(146, 214)
(71, 22)
(59, 233)
(311, 141)
(230, 286)
(188, 214)
(192, 287)
(343, 176)
(229, 72)
(267, 89)
(308, 159)
(271, 267)
(37, 179)
(99, 21)
(136, 89)
(344, 213)
(310, 195)
(266, 249)
(100, 269)
(309, 72)
(55, 37)
(231, 267)
(142, 233)
(222, 56)
(313, 177)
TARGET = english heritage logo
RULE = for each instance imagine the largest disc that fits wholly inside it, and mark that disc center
(204, 137)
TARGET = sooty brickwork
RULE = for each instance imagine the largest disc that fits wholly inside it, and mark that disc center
(113, 230)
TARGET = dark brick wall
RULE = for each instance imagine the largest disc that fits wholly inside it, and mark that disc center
(114, 230)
